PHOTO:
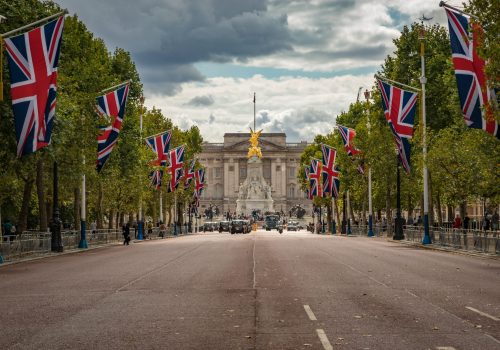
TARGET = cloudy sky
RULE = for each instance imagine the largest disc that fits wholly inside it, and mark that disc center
(201, 60)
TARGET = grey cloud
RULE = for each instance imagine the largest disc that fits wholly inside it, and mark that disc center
(200, 101)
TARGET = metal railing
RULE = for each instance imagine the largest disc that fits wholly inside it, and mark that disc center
(31, 243)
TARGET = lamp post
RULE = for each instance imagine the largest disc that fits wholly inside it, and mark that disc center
(334, 229)
(55, 226)
(83, 237)
(140, 223)
(398, 229)
(343, 230)
(370, 207)
(348, 214)
(426, 239)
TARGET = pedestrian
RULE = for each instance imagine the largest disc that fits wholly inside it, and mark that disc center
(13, 233)
(458, 222)
(486, 222)
(150, 230)
(163, 228)
(126, 234)
(419, 220)
(466, 222)
(410, 220)
(93, 227)
(494, 221)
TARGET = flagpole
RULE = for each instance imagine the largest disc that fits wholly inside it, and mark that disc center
(161, 206)
(160, 133)
(426, 239)
(334, 229)
(254, 127)
(46, 19)
(115, 86)
(370, 207)
(443, 4)
(348, 214)
(397, 83)
(83, 237)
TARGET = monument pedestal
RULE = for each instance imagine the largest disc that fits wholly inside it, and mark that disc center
(254, 192)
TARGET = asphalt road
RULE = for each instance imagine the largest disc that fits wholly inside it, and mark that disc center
(257, 291)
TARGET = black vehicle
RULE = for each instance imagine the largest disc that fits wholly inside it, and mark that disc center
(273, 222)
(208, 226)
(238, 226)
(224, 226)
(248, 226)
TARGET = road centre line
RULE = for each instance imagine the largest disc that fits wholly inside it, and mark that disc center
(310, 313)
(324, 339)
(483, 313)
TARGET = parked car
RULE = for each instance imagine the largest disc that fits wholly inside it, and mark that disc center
(224, 226)
(208, 226)
(238, 226)
(292, 226)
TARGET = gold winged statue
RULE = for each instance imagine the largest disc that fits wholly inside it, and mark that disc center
(254, 141)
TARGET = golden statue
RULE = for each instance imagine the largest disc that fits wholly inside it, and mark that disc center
(254, 141)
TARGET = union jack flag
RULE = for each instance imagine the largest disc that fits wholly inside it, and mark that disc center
(348, 136)
(399, 109)
(188, 174)
(199, 183)
(308, 191)
(156, 176)
(33, 60)
(160, 145)
(112, 106)
(469, 72)
(315, 188)
(176, 157)
(331, 181)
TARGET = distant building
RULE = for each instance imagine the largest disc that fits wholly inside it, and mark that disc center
(226, 169)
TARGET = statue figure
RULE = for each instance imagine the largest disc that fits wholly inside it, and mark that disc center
(254, 141)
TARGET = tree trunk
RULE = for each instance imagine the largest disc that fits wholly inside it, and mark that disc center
(451, 213)
(410, 207)
(111, 219)
(122, 218)
(463, 210)
(99, 209)
(155, 213)
(439, 212)
(22, 222)
(351, 211)
(169, 216)
(42, 210)
(76, 208)
(337, 212)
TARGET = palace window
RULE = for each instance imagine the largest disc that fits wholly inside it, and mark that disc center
(231, 168)
(218, 173)
(243, 173)
(291, 172)
(291, 191)
(278, 167)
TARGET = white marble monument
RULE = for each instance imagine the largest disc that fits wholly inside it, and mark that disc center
(254, 193)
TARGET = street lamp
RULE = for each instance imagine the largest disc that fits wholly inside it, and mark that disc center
(370, 207)
(398, 229)
(140, 223)
(423, 80)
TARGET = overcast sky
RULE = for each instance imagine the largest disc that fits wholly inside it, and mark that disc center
(201, 60)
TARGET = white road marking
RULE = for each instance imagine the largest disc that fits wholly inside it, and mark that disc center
(310, 313)
(483, 313)
(324, 339)
(493, 338)
(253, 255)
(445, 348)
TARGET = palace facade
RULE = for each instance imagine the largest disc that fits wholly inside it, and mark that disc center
(226, 169)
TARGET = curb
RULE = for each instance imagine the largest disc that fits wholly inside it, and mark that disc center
(443, 249)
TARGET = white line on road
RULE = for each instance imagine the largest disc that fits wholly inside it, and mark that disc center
(483, 313)
(324, 339)
(310, 313)
(253, 255)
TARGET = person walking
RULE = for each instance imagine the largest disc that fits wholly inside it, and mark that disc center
(458, 222)
(494, 221)
(126, 234)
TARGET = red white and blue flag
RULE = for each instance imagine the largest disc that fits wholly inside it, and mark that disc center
(199, 183)
(331, 180)
(189, 174)
(176, 158)
(160, 144)
(399, 109)
(308, 190)
(156, 176)
(33, 60)
(315, 179)
(476, 100)
(348, 136)
(110, 106)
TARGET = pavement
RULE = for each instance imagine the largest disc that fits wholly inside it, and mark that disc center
(261, 290)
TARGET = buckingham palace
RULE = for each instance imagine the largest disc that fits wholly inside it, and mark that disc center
(226, 170)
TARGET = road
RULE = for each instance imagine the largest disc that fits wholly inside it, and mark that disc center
(257, 291)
